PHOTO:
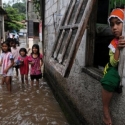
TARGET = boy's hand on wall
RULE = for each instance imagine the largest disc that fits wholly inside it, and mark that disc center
(121, 42)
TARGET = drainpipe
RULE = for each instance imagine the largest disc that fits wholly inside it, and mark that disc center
(27, 2)
(42, 10)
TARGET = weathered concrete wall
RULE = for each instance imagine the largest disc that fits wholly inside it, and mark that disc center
(31, 13)
(81, 89)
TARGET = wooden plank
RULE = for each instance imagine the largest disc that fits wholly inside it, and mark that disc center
(77, 12)
(78, 37)
(62, 44)
(59, 68)
(65, 47)
(59, 44)
(69, 46)
(69, 26)
(70, 12)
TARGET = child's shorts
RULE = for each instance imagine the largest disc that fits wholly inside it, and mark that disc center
(36, 77)
(16, 66)
(9, 73)
(111, 79)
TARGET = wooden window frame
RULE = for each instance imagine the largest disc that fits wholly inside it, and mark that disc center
(64, 70)
(90, 47)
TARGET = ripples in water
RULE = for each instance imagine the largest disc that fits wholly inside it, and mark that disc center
(30, 106)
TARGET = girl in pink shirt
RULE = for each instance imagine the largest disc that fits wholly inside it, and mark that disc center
(35, 59)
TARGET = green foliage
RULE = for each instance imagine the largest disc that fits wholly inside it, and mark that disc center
(13, 20)
(36, 4)
(15, 14)
(6, 5)
(115, 3)
(20, 6)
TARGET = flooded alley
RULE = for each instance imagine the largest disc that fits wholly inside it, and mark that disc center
(29, 105)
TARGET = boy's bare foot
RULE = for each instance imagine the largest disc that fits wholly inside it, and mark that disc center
(107, 119)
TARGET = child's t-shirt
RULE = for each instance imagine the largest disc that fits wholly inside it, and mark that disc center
(15, 53)
(35, 68)
(24, 68)
(112, 46)
(6, 61)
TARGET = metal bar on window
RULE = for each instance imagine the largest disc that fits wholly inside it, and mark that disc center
(70, 12)
(59, 45)
(77, 12)
(70, 26)
(65, 47)
(56, 65)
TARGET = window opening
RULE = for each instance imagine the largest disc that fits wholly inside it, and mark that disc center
(103, 34)
(36, 29)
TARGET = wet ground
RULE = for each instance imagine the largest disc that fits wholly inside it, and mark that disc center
(29, 106)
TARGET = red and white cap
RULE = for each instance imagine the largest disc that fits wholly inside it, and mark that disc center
(119, 13)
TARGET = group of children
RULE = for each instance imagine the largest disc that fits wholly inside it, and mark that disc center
(15, 57)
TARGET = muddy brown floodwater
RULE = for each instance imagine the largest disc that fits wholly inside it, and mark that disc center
(30, 106)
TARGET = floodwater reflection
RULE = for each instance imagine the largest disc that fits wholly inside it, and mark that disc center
(30, 106)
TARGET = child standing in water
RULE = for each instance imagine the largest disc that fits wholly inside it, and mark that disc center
(7, 62)
(111, 79)
(24, 66)
(15, 53)
(35, 59)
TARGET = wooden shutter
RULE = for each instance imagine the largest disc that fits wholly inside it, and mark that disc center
(69, 36)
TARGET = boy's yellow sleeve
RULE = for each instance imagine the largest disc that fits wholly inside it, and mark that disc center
(113, 62)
